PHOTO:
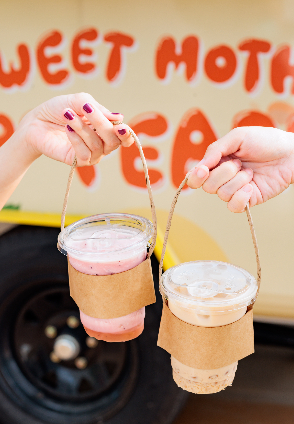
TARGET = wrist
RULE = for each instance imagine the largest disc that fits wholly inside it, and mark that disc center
(22, 138)
(20, 144)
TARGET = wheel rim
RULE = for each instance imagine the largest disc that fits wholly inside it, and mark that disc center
(102, 387)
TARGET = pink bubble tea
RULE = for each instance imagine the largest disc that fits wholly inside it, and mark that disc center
(104, 245)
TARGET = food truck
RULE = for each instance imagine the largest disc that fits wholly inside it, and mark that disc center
(183, 74)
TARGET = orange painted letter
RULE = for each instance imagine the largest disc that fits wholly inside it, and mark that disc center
(17, 77)
(54, 39)
(167, 55)
(115, 65)
(192, 139)
(220, 64)
(253, 118)
(281, 68)
(150, 124)
(87, 174)
(77, 51)
(6, 129)
(254, 48)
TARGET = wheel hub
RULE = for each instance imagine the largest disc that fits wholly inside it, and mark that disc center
(66, 347)
(59, 357)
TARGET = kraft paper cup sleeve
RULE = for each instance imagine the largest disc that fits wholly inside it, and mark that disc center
(112, 296)
(206, 347)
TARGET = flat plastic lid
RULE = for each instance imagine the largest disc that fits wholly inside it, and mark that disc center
(209, 283)
(105, 234)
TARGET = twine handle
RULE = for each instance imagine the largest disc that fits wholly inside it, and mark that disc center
(168, 225)
(153, 212)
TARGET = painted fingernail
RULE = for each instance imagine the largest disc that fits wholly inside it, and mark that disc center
(69, 115)
(88, 108)
(70, 128)
(122, 131)
(201, 173)
(247, 188)
(116, 113)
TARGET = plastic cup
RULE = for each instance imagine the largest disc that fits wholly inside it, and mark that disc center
(207, 294)
(104, 245)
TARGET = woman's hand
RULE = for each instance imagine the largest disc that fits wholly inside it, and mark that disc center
(60, 129)
(64, 126)
(249, 164)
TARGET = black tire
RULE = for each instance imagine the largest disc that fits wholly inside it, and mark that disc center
(137, 389)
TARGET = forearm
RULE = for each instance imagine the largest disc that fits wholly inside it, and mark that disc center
(15, 158)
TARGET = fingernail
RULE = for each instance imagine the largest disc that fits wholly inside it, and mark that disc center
(70, 128)
(88, 108)
(201, 173)
(69, 115)
(237, 162)
(247, 188)
(116, 113)
(122, 131)
(248, 171)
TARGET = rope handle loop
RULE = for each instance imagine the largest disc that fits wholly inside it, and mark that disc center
(153, 212)
(168, 225)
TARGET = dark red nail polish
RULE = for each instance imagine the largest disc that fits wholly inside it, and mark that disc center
(122, 131)
(88, 108)
(70, 128)
(69, 115)
(116, 113)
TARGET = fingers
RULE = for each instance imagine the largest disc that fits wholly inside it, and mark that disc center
(198, 176)
(99, 145)
(226, 191)
(83, 153)
(228, 181)
(240, 199)
(221, 175)
(77, 101)
(82, 136)
(227, 145)
(103, 127)
(84, 110)
(123, 133)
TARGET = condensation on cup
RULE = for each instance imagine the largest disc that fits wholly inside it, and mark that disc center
(103, 245)
(207, 294)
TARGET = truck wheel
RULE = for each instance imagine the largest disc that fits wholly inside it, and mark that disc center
(97, 382)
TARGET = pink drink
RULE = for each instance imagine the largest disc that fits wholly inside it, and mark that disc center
(105, 250)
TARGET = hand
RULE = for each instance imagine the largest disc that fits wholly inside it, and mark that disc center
(64, 126)
(249, 164)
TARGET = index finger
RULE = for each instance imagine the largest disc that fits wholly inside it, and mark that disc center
(77, 101)
(227, 145)
(103, 127)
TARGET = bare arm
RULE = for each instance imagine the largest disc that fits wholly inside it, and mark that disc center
(60, 128)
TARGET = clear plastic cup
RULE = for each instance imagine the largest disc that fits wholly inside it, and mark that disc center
(207, 294)
(104, 245)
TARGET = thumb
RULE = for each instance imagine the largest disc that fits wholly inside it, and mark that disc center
(226, 145)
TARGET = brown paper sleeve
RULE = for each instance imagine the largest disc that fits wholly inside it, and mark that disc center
(112, 296)
(206, 347)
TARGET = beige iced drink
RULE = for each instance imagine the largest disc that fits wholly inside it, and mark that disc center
(207, 294)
